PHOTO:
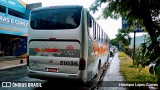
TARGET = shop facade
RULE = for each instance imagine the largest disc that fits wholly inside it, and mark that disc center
(14, 16)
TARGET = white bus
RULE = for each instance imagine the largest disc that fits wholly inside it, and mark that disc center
(65, 42)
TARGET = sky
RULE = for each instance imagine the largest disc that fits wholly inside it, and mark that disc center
(109, 25)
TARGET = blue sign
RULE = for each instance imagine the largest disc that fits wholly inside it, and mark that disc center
(17, 5)
(13, 25)
(138, 30)
(124, 23)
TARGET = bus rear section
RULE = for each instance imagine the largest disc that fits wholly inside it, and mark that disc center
(54, 43)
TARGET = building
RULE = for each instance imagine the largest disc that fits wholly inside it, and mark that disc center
(14, 16)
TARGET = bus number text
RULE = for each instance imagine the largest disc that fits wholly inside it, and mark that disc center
(70, 63)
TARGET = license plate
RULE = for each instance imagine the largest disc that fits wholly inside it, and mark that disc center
(52, 69)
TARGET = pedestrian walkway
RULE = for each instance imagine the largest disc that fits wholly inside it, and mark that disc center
(11, 62)
(112, 78)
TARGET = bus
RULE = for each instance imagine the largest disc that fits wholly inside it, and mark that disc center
(65, 42)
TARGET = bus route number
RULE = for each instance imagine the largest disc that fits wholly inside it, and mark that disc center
(70, 63)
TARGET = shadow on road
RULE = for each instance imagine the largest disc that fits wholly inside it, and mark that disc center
(64, 85)
(70, 85)
(73, 85)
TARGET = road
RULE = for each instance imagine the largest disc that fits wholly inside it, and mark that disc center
(19, 75)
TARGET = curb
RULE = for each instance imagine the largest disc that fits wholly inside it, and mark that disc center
(12, 67)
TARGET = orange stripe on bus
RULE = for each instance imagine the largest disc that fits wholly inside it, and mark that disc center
(48, 50)
(96, 48)
(101, 50)
(36, 49)
(43, 50)
(104, 48)
(55, 50)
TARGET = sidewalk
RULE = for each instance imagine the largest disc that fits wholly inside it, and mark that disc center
(8, 62)
(113, 78)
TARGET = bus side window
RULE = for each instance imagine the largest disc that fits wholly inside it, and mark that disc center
(103, 36)
(94, 30)
(106, 39)
(89, 19)
(90, 26)
(97, 32)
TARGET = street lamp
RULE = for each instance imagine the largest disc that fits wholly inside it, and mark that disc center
(134, 45)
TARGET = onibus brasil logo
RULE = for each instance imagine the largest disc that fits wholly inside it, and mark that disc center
(21, 84)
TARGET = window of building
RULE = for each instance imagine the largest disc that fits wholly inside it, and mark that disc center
(15, 13)
(2, 9)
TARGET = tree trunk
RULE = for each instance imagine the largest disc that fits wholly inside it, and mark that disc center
(147, 19)
(158, 83)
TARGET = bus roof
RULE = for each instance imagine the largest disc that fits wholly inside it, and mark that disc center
(60, 6)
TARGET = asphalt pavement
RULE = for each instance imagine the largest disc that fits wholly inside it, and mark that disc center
(110, 81)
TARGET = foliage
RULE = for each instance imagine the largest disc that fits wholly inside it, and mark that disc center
(122, 54)
(128, 51)
(132, 73)
(122, 37)
(147, 54)
(139, 14)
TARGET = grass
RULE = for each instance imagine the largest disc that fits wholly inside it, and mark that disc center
(131, 73)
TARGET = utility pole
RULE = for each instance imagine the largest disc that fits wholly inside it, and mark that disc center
(134, 45)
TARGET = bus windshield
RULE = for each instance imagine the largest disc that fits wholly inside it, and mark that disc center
(56, 18)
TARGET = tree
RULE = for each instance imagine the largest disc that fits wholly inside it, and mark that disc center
(123, 37)
(138, 13)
